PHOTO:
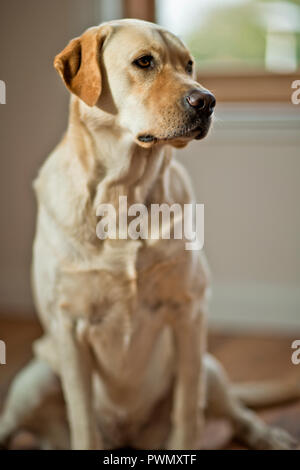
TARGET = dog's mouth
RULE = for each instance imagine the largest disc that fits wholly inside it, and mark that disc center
(197, 130)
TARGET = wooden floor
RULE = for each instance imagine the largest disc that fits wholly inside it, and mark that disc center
(244, 358)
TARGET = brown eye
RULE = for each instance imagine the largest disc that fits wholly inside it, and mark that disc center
(189, 67)
(144, 62)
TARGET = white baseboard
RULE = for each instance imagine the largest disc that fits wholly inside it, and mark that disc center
(255, 307)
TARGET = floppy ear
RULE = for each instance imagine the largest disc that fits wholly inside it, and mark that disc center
(79, 64)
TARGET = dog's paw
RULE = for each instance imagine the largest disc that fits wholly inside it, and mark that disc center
(179, 441)
(5, 434)
(275, 439)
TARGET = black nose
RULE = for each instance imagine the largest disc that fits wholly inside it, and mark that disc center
(202, 101)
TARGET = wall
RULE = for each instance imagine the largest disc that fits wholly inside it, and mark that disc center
(32, 120)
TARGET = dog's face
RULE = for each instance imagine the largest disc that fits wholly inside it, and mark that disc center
(141, 75)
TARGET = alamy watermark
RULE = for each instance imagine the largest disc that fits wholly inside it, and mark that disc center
(2, 92)
(154, 222)
(295, 98)
(2, 352)
(296, 354)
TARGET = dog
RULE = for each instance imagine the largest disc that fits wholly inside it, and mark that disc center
(123, 360)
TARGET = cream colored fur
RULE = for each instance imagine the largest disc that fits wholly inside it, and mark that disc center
(122, 361)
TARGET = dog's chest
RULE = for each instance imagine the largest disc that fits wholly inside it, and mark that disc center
(125, 281)
(127, 308)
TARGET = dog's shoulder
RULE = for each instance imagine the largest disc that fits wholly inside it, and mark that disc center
(62, 192)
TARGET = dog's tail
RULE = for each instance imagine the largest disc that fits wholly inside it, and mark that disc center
(256, 395)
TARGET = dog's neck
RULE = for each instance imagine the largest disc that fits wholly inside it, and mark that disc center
(114, 164)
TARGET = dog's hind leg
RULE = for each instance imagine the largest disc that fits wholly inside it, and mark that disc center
(34, 403)
(248, 427)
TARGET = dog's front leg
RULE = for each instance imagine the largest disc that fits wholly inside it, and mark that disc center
(76, 378)
(188, 399)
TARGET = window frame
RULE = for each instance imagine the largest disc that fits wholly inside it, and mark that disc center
(258, 86)
(141, 9)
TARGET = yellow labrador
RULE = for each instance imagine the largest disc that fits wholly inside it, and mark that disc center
(122, 361)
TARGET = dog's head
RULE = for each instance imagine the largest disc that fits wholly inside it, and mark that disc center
(142, 76)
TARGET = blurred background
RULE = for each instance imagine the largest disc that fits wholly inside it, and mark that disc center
(246, 172)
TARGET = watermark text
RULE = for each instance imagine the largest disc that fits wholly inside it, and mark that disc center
(2, 352)
(154, 222)
(295, 98)
(2, 92)
(296, 354)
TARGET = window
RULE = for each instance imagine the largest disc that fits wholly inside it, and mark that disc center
(247, 50)
(256, 34)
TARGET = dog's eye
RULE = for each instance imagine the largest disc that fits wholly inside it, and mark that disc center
(144, 62)
(189, 67)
